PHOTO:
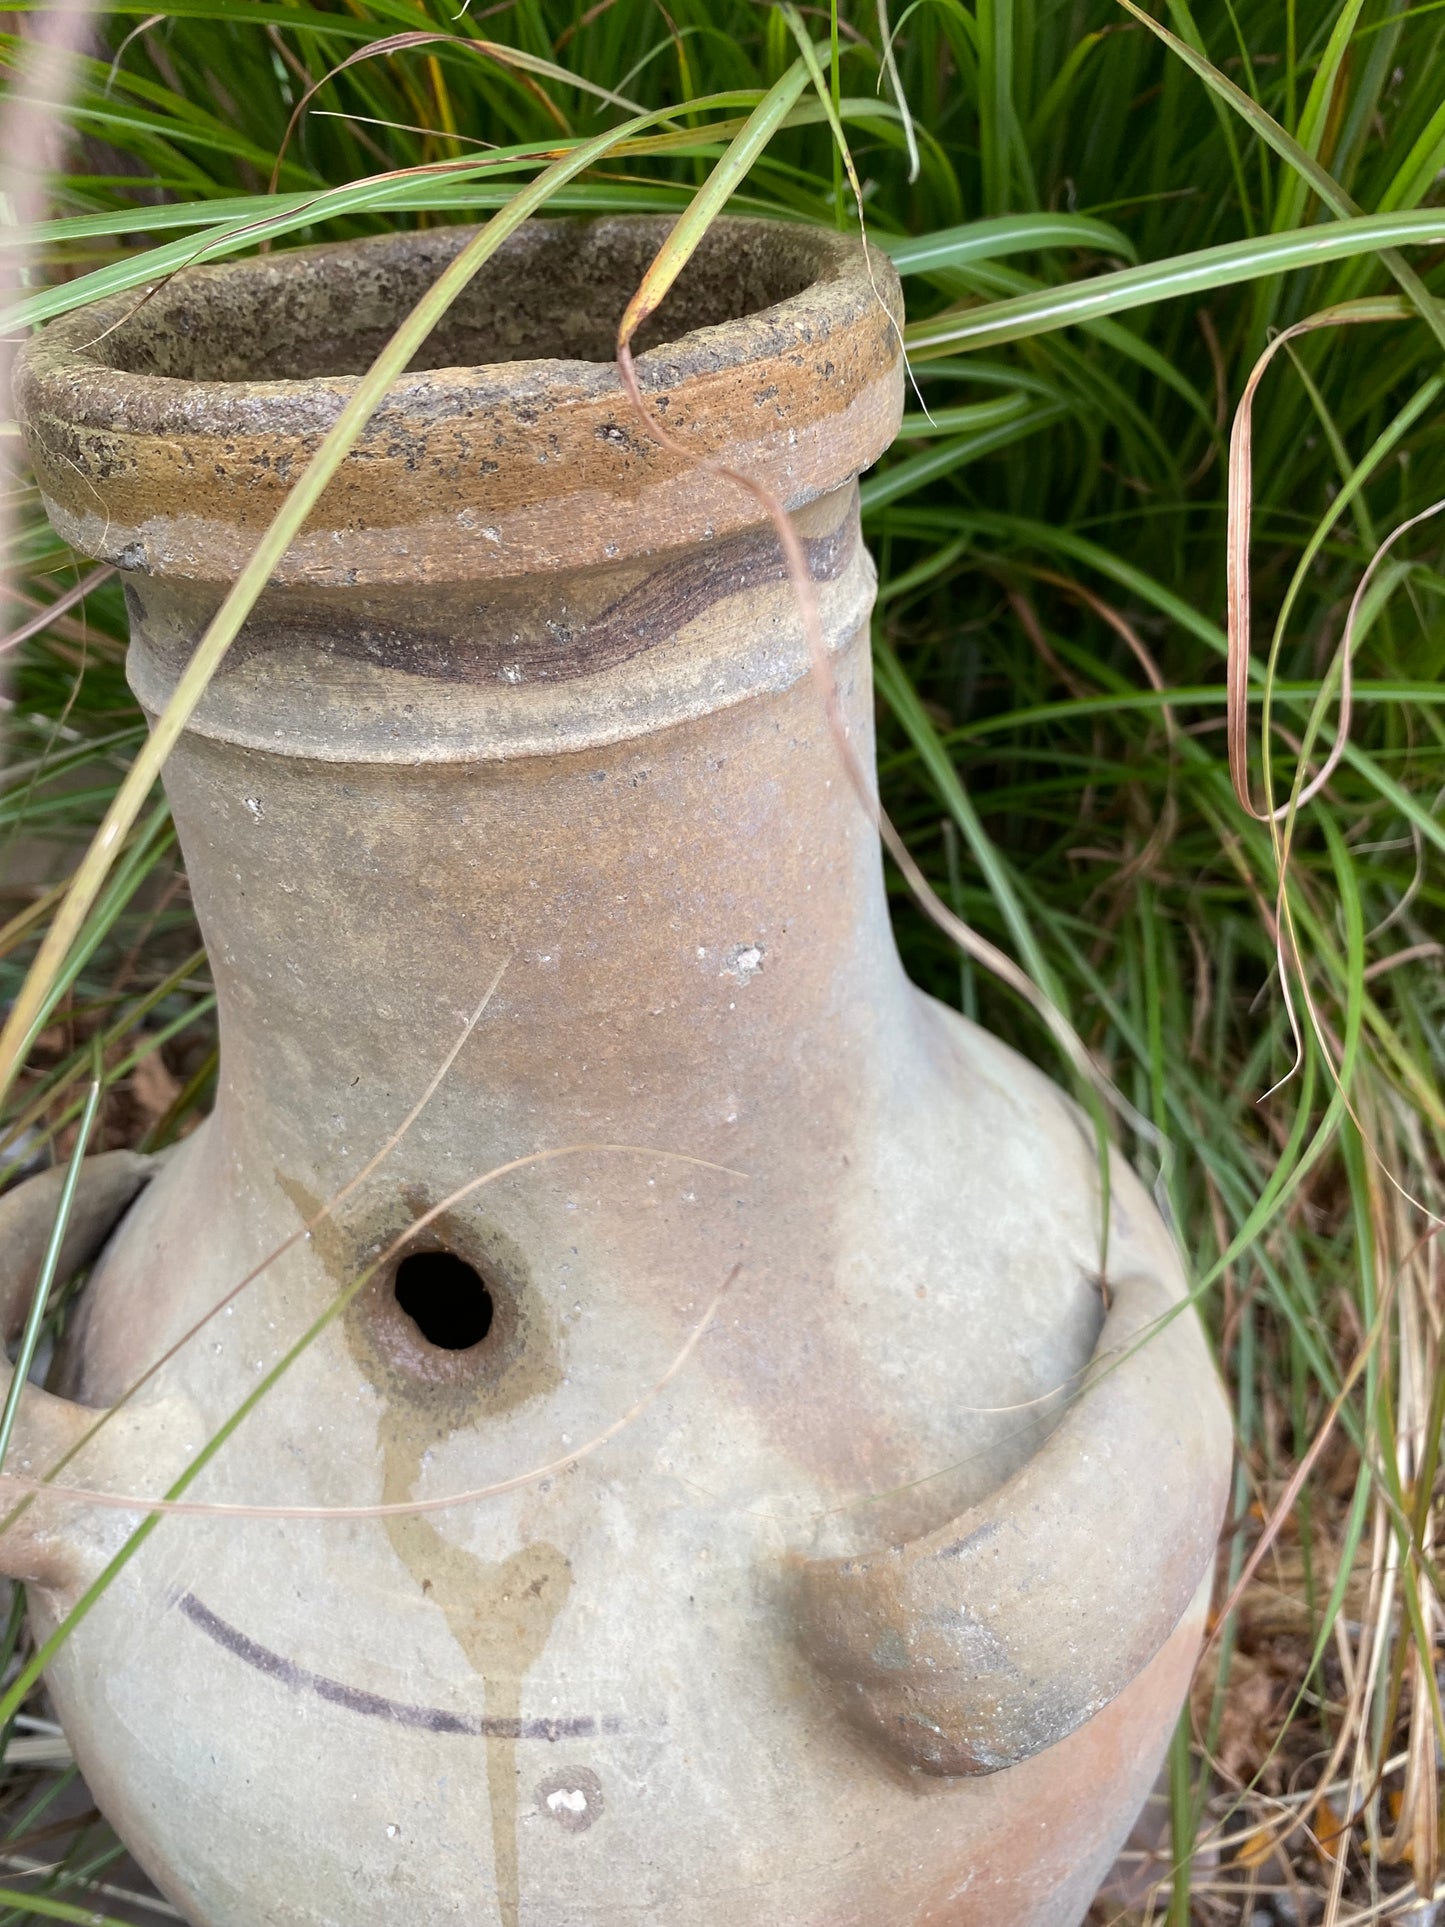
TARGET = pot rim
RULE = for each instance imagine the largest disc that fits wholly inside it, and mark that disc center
(490, 468)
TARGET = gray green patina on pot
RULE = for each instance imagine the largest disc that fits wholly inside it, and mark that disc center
(882, 1609)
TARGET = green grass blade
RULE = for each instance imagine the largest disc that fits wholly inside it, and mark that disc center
(35, 1316)
(1201, 273)
(1304, 164)
(226, 624)
(712, 198)
(1007, 234)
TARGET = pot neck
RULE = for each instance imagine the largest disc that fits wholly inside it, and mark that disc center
(488, 671)
(685, 897)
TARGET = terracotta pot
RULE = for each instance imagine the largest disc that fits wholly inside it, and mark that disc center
(882, 1609)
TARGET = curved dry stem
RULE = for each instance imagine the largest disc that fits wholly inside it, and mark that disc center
(1162, 834)
(1240, 501)
(62, 604)
(523, 65)
(968, 940)
(1288, 950)
(142, 27)
(809, 54)
(886, 36)
(240, 599)
(337, 1198)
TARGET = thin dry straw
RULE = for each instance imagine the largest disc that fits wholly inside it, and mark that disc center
(34, 1667)
(62, 604)
(340, 438)
(304, 1231)
(1288, 950)
(524, 64)
(889, 69)
(809, 55)
(968, 940)
(446, 1501)
(1241, 478)
(46, 1486)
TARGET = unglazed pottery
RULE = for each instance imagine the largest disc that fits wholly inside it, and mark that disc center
(880, 1610)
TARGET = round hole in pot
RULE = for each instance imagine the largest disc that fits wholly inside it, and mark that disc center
(445, 1298)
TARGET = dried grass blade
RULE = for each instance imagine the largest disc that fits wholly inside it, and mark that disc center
(678, 249)
(512, 57)
(20, 1687)
(225, 626)
(1241, 473)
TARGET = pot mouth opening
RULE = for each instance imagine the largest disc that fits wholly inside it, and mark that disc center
(554, 291)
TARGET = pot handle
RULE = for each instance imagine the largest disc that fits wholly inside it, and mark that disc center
(35, 1546)
(979, 1645)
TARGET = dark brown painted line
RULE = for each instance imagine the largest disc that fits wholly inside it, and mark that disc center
(658, 607)
(549, 648)
(430, 1719)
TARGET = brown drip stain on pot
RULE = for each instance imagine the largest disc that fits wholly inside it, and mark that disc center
(449, 1334)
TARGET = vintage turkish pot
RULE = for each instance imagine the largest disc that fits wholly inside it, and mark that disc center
(880, 1610)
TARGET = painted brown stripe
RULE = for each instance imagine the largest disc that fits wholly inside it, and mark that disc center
(515, 637)
(428, 1719)
(659, 606)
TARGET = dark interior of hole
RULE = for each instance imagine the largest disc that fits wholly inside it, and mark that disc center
(445, 1299)
(556, 291)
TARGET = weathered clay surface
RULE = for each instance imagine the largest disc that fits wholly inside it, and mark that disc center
(889, 1528)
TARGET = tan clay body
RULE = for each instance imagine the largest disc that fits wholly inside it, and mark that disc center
(880, 1612)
